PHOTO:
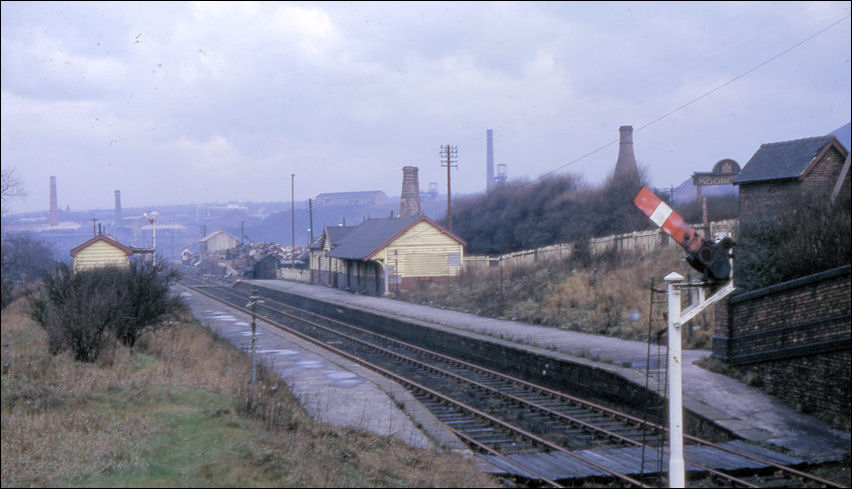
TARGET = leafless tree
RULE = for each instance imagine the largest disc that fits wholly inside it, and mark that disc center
(11, 185)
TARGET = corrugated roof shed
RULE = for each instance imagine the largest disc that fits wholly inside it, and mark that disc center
(784, 160)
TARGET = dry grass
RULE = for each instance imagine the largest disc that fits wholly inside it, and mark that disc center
(598, 299)
(177, 412)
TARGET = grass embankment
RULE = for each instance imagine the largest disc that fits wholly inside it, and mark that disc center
(178, 413)
(597, 298)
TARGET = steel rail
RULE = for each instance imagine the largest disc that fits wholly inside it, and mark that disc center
(473, 443)
(557, 394)
(593, 429)
(535, 439)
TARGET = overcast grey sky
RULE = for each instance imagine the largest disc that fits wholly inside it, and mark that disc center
(203, 102)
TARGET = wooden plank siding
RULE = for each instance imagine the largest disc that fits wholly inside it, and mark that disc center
(100, 254)
(423, 251)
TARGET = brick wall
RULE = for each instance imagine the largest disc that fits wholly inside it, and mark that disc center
(795, 337)
(824, 174)
(759, 199)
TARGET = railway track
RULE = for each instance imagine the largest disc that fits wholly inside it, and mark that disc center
(532, 432)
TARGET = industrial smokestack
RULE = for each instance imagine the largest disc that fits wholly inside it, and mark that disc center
(625, 166)
(489, 160)
(117, 207)
(409, 201)
(54, 207)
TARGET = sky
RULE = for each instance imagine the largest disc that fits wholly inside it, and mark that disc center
(182, 103)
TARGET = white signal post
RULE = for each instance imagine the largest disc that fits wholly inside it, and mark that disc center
(677, 470)
(677, 318)
(673, 224)
(152, 219)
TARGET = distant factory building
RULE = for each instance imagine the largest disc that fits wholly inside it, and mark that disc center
(216, 243)
(777, 170)
(101, 251)
(352, 199)
(381, 256)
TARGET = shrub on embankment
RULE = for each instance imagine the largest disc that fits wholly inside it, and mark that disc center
(178, 413)
(607, 295)
(87, 311)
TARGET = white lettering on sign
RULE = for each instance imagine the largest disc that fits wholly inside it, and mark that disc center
(713, 180)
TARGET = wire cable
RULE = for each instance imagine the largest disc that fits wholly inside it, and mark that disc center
(696, 99)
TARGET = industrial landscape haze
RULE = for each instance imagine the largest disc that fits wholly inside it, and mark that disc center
(441, 244)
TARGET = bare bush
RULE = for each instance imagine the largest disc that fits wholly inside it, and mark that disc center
(145, 298)
(86, 311)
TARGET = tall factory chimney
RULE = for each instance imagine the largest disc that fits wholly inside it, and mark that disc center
(118, 207)
(54, 206)
(409, 200)
(625, 166)
(489, 160)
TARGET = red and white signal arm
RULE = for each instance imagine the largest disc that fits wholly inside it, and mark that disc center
(666, 218)
(711, 259)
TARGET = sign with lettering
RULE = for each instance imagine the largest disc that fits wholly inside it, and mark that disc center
(723, 174)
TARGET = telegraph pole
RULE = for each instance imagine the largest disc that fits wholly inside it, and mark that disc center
(293, 217)
(449, 156)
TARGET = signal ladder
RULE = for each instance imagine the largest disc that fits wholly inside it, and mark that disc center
(656, 380)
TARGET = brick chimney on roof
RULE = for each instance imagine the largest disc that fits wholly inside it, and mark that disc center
(409, 200)
(625, 166)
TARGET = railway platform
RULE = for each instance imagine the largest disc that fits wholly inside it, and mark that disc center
(331, 388)
(741, 409)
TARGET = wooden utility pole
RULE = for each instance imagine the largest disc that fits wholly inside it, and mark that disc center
(449, 155)
(310, 222)
(293, 218)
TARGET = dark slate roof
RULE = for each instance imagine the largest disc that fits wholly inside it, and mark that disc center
(317, 243)
(782, 161)
(337, 233)
(365, 239)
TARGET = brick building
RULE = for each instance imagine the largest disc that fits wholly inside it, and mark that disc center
(808, 166)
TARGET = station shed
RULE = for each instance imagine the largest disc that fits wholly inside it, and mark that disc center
(381, 256)
(99, 252)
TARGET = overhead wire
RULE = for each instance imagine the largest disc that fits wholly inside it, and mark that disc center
(694, 100)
